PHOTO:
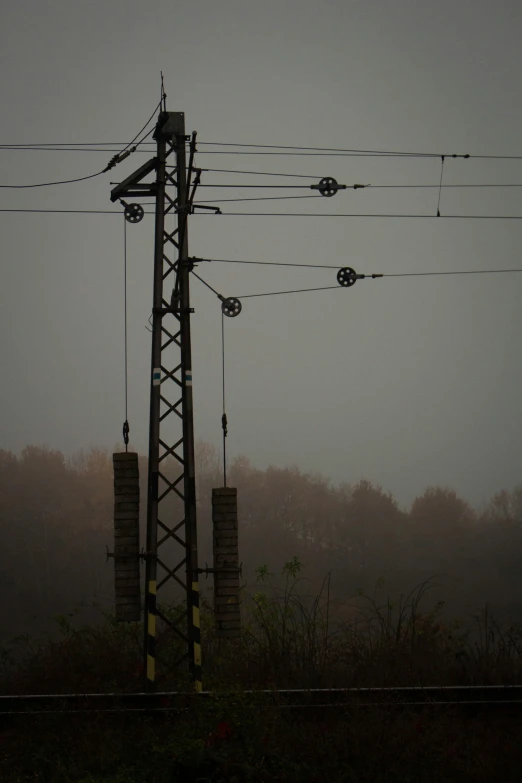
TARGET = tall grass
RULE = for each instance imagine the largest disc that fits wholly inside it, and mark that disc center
(289, 639)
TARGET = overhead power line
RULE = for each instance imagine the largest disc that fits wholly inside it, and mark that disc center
(206, 284)
(332, 149)
(400, 274)
(56, 182)
(317, 177)
(356, 215)
(156, 108)
(78, 147)
(285, 198)
(337, 266)
(466, 185)
(275, 149)
(296, 291)
(23, 148)
(340, 287)
(125, 152)
(257, 198)
(262, 173)
(356, 155)
(379, 153)
(71, 211)
(46, 145)
(264, 263)
(271, 214)
(463, 272)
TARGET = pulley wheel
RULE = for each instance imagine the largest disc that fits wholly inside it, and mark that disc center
(231, 307)
(328, 187)
(346, 276)
(134, 213)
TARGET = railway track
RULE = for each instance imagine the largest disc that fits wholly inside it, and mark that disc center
(474, 697)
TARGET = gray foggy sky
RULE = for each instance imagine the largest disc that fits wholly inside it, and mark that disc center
(408, 382)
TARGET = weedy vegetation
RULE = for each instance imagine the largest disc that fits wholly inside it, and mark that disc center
(289, 639)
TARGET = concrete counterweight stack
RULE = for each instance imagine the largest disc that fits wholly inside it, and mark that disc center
(127, 536)
(226, 563)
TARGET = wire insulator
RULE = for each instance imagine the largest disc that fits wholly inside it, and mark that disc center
(126, 430)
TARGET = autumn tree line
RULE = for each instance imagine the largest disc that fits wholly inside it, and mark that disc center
(56, 525)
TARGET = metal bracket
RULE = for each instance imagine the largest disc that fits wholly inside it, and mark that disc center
(216, 210)
(166, 310)
(143, 555)
(223, 570)
(125, 188)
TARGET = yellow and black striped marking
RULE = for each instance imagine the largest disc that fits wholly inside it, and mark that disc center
(196, 637)
(151, 632)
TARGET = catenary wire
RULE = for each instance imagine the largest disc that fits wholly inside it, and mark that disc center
(356, 155)
(273, 214)
(89, 176)
(294, 291)
(45, 145)
(380, 153)
(336, 266)
(57, 182)
(70, 211)
(373, 215)
(464, 272)
(144, 127)
(97, 147)
(402, 274)
(326, 149)
(317, 177)
(266, 263)
(468, 185)
(207, 284)
(258, 198)
(263, 173)
(241, 187)
(23, 148)
(356, 186)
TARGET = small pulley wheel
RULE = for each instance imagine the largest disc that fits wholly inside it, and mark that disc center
(347, 276)
(134, 213)
(231, 307)
(328, 187)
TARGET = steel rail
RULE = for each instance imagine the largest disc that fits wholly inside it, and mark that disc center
(315, 698)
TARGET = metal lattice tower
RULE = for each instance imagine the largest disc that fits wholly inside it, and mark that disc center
(171, 553)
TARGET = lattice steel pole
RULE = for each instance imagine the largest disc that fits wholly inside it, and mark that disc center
(172, 389)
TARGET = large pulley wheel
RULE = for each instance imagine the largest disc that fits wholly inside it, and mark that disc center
(347, 276)
(231, 307)
(328, 187)
(134, 213)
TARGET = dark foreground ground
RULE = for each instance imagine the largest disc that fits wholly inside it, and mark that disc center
(285, 643)
(230, 741)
